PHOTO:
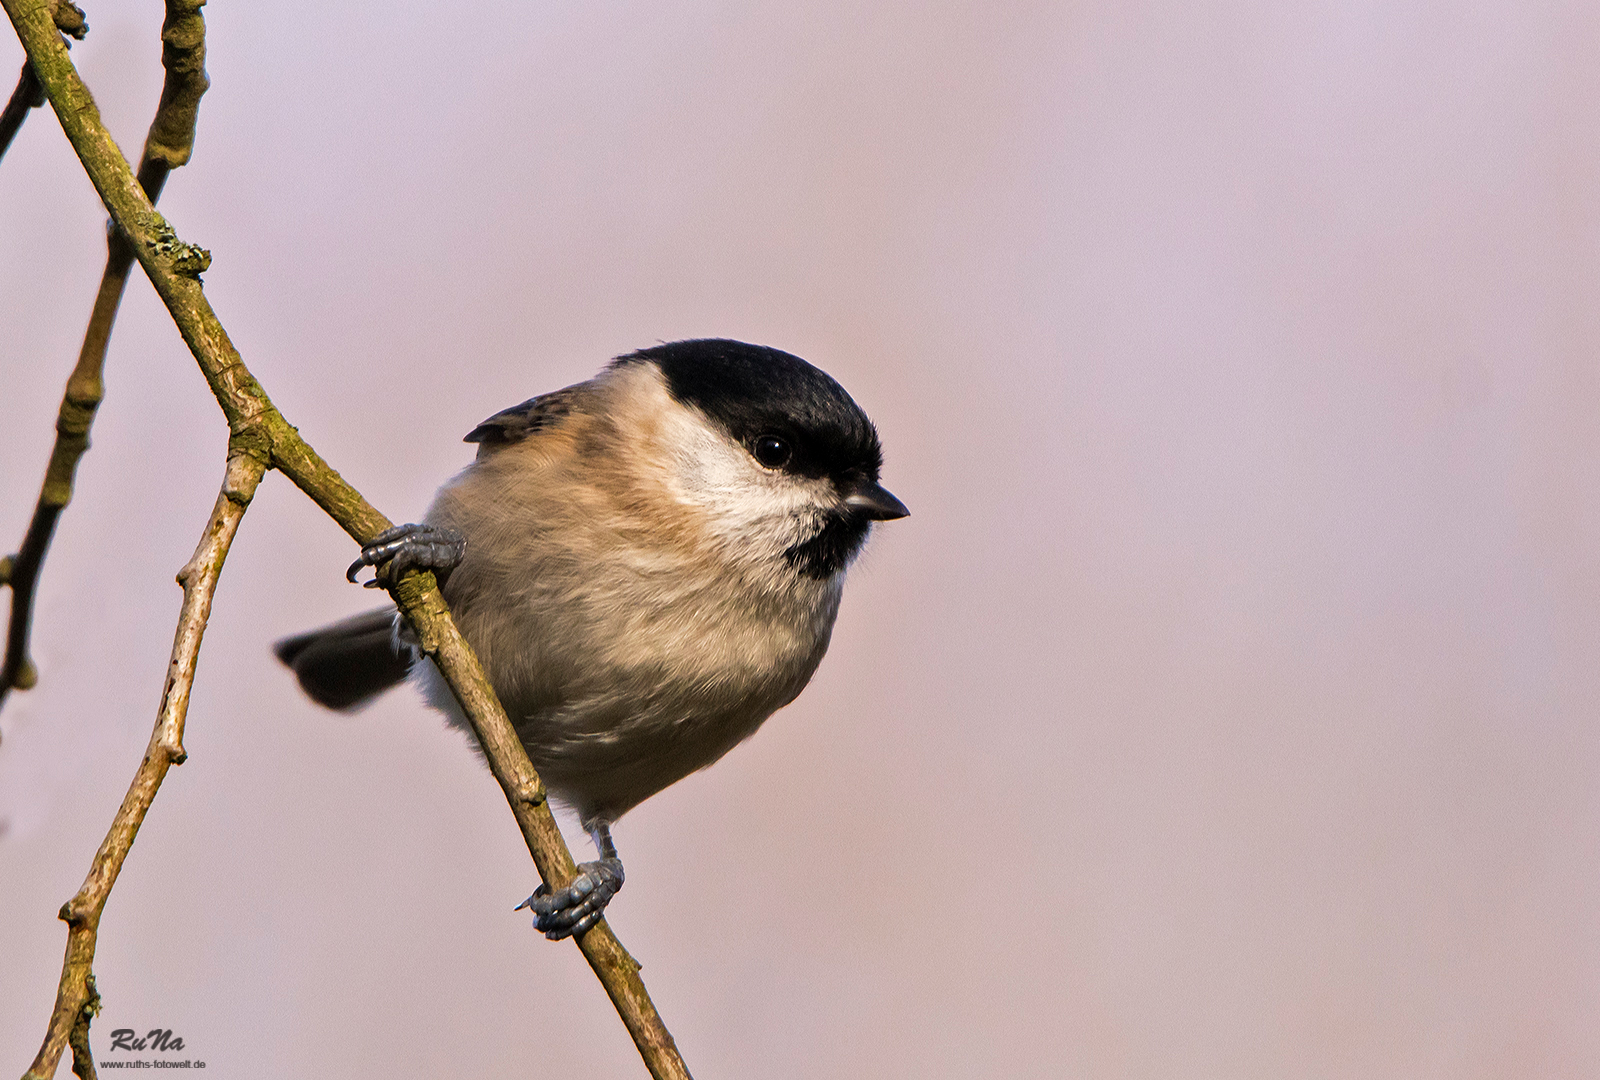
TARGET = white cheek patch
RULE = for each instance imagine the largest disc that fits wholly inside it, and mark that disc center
(741, 500)
(757, 513)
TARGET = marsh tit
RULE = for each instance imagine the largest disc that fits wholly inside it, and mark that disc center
(648, 564)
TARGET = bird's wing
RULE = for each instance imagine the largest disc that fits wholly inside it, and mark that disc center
(520, 421)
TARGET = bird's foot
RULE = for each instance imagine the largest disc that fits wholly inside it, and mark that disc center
(410, 547)
(578, 906)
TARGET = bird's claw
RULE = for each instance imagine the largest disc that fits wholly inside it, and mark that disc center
(410, 547)
(576, 907)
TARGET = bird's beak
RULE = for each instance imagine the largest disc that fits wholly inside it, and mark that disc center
(870, 500)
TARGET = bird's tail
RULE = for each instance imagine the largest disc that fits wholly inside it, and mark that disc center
(346, 665)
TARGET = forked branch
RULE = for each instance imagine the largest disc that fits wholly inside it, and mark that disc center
(29, 95)
(171, 138)
(82, 913)
(261, 432)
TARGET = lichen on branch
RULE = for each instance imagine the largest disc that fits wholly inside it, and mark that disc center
(183, 55)
(261, 436)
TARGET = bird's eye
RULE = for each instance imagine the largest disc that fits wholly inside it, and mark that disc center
(772, 451)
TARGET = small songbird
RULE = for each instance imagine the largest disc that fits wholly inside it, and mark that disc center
(648, 564)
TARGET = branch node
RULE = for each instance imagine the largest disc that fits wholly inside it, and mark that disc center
(167, 261)
(7, 564)
(169, 145)
(78, 406)
(183, 54)
(186, 259)
(253, 441)
(70, 19)
(27, 676)
(70, 914)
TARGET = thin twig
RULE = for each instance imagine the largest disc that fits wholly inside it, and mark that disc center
(29, 95)
(82, 912)
(171, 139)
(78, 404)
(256, 425)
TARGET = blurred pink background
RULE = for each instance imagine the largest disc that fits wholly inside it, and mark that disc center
(1226, 708)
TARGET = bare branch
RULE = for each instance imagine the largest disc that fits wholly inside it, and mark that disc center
(257, 427)
(82, 913)
(29, 94)
(168, 145)
(78, 405)
(183, 54)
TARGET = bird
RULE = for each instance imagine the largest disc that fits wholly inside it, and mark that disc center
(648, 564)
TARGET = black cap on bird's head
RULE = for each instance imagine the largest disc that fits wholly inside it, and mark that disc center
(756, 393)
(751, 391)
(790, 416)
